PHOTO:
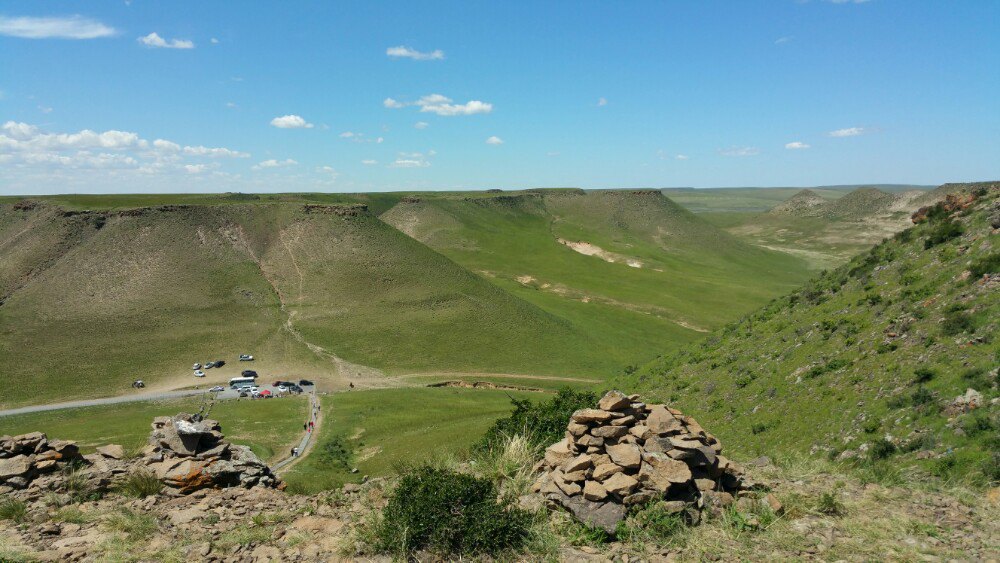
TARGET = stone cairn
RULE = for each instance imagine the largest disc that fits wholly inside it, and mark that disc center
(184, 452)
(188, 454)
(627, 453)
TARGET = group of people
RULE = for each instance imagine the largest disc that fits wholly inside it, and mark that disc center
(309, 425)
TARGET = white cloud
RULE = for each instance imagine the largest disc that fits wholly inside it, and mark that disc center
(369, 162)
(291, 122)
(272, 163)
(782, 40)
(602, 102)
(739, 151)
(553, 153)
(154, 40)
(328, 171)
(494, 140)
(194, 168)
(849, 132)
(214, 152)
(421, 125)
(214, 41)
(410, 53)
(796, 145)
(442, 105)
(44, 109)
(70, 27)
(847, 1)
(682, 157)
(379, 140)
(347, 134)
(412, 160)
(230, 105)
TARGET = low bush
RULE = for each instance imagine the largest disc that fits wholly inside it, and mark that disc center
(943, 232)
(543, 422)
(336, 452)
(989, 264)
(956, 322)
(449, 513)
(140, 484)
(14, 510)
(881, 449)
(923, 375)
(829, 504)
(652, 523)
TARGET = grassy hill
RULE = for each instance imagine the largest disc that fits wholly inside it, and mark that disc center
(875, 349)
(145, 292)
(632, 269)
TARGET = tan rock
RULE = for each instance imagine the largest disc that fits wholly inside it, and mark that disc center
(613, 401)
(774, 504)
(685, 444)
(704, 484)
(45, 464)
(625, 455)
(578, 463)
(600, 459)
(577, 429)
(567, 487)
(14, 466)
(640, 431)
(540, 482)
(620, 484)
(594, 491)
(609, 431)
(661, 421)
(113, 451)
(624, 421)
(558, 453)
(587, 441)
(603, 471)
(591, 415)
(659, 472)
(575, 477)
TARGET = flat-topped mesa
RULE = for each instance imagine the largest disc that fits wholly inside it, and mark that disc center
(343, 210)
(626, 453)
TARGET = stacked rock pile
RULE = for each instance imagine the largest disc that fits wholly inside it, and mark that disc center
(24, 458)
(626, 453)
(188, 454)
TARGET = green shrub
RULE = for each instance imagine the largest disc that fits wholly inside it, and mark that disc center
(923, 441)
(140, 484)
(543, 422)
(976, 423)
(922, 396)
(943, 232)
(829, 505)
(956, 322)
(991, 468)
(881, 449)
(449, 513)
(336, 452)
(872, 426)
(923, 375)
(989, 264)
(14, 510)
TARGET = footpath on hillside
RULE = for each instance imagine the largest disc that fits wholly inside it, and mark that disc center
(310, 427)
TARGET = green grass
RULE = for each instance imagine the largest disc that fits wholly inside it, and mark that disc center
(269, 427)
(848, 345)
(385, 429)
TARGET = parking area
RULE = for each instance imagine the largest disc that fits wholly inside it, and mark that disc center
(228, 393)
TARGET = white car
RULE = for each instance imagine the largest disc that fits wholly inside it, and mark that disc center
(246, 358)
(282, 388)
(196, 366)
(199, 373)
(217, 389)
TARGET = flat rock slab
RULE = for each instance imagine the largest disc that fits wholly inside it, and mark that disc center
(603, 515)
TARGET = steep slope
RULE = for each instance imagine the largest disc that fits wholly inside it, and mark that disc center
(879, 347)
(803, 202)
(301, 287)
(633, 269)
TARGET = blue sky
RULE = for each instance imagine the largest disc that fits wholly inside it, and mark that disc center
(363, 96)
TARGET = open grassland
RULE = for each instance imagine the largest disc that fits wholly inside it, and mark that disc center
(379, 431)
(757, 200)
(544, 383)
(877, 348)
(269, 427)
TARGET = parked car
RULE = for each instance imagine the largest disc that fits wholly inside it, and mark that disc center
(282, 388)
(209, 365)
(217, 389)
(199, 373)
(305, 383)
(220, 363)
(294, 388)
(246, 358)
(279, 383)
(243, 394)
(138, 384)
(249, 373)
(196, 366)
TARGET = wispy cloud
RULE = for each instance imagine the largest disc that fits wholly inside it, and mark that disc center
(782, 40)
(601, 102)
(796, 145)
(291, 122)
(155, 41)
(402, 52)
(849, 132)
(369, 162)
(739, 151)
(273, 163)
(847, 1)
(421, 125)
(68, 27)
(682, 157)
(494, 140)
(412, 160)
(442, 105)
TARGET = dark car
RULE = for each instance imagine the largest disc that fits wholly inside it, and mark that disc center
(305, 382)
(294, 388)
(219, 363)
(249, 373)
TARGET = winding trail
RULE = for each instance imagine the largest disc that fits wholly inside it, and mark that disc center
(306, 444)
(105, 401)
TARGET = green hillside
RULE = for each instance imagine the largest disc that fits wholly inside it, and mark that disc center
(877, 348)
(633, 269)
(149, 291)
